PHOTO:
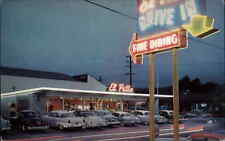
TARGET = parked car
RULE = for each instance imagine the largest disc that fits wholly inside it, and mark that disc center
(127, 118)
(167, 113)
(90, 119)
(28, 119)
(63, 120)
(110, 119)
(5, 125)
(160, 119)
(142, 115)
(214, 124)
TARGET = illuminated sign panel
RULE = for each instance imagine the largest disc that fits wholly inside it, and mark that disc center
(158, 43)
(114, 87)
(159, 15)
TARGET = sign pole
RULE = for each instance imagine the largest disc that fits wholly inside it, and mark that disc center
(175, 96)
(152, 97)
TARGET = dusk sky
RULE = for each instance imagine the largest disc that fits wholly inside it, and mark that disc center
(75, 37)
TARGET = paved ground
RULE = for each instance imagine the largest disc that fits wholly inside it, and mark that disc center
(137, 133)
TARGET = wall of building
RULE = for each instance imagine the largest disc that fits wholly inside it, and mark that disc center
(15, 83)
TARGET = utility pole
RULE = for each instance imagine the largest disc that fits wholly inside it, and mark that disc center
(130, 73)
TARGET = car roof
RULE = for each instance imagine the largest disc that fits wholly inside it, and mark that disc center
(166, 111)
(142, 111)
(102, 111)
(61, 111)
(24, 111)
(121, 112)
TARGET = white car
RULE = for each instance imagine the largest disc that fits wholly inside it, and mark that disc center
(111, 120)
(63, 119)
(144, 117)
(127, 118)
(91, 120)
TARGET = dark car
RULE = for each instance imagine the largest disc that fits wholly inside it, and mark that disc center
(29, 119)
(214, 123)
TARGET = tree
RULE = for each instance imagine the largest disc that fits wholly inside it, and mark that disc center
(184, 83)
(196, 85)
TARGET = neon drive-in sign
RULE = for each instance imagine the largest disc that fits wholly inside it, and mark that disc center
(156, 15)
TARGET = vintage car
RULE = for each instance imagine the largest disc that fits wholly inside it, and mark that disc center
(144, 117)
(127, 119)
(214, 123)
(63, 120)
(5, 125)
(91, 120)
(160, 119)
(110, 119)
(28, 120)
(167, 113)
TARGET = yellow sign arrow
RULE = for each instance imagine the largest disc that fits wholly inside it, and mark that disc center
(201, 26)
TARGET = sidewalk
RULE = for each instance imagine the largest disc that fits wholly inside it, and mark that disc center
(170, 139)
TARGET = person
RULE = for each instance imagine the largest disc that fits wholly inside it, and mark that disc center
(13, 117)
(91, 106)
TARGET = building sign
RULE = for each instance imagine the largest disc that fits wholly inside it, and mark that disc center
(115, 87)
(158, 43)
(160, 15)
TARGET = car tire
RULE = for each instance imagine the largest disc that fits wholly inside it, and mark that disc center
(60, 127)
(84, 126)
(146, 123)
(24, 128)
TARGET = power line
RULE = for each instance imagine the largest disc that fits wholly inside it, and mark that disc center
(136, 19)
(110, 9)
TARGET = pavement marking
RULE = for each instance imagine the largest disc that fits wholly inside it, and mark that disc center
(184, 132)
(100, 135)
(120, 133)
(196, 128)
(38, 138)
(114, 134)
(58, 138)
(170, 129)
(124, 138)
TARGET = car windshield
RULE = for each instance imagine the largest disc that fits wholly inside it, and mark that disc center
(29, 114)
(65, 115)
(100, 113)
(88, 114)
(125, 115)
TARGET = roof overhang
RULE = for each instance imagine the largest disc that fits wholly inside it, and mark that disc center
(79, 93)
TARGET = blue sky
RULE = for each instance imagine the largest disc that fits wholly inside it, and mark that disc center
(75, 37)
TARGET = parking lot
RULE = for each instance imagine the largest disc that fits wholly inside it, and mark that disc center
(127, 133)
